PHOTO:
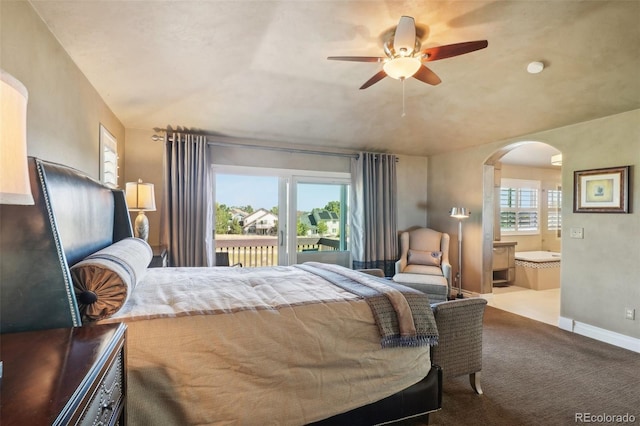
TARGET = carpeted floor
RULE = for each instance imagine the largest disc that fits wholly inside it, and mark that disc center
(537, 374)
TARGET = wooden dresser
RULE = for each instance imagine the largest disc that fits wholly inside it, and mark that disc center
(65, 376)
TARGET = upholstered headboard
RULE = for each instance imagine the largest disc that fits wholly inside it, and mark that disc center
(73, 216)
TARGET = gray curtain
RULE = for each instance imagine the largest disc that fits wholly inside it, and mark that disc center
(187, 206)
(374, 220)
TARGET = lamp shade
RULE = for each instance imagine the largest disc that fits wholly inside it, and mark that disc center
(14, 172)
(140, 196)
(459, 213)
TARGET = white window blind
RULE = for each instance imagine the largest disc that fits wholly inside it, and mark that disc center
(520, 206)
(554, 212)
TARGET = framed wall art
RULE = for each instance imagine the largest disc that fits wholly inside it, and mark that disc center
(601, 190)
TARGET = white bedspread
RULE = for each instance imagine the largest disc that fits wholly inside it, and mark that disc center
(285, 347)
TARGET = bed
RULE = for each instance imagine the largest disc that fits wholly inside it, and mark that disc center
(279, 345)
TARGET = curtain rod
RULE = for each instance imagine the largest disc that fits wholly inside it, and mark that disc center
(226, 141)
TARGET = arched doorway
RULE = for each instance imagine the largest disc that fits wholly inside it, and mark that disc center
(520, 163)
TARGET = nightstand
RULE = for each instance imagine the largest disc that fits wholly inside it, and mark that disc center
(64, 376)
(160, 257)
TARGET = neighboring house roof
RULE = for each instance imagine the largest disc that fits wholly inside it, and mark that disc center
(236, 212)
(304, 218)
(322, 216)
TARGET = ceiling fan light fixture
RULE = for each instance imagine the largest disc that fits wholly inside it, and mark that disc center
(401, 67)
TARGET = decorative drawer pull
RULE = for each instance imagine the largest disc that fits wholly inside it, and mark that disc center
(107, 405)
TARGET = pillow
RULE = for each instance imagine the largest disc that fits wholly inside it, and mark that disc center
(428, 258)
(104, 280)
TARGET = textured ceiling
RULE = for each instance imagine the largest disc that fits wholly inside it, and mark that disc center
(258, 69)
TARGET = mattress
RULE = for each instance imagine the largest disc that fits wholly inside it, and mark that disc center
(275, 345)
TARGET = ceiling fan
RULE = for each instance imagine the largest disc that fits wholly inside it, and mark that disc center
(405, 59)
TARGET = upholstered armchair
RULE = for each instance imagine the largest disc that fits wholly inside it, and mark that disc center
(424, 263)
(459, 348)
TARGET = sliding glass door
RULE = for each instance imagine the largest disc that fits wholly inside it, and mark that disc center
(322, 228)
(247, 219)
(267, 217)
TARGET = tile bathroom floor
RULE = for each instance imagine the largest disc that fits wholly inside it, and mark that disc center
(540, 305)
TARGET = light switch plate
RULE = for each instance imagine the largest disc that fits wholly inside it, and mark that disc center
(576, 233)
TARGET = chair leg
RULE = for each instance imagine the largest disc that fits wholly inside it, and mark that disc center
(474, 379)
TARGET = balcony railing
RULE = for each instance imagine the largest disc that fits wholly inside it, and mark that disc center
(254, 252)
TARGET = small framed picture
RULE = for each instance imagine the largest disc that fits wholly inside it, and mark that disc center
(601, 190)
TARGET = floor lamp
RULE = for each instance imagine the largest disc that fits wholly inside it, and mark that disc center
(459, 213)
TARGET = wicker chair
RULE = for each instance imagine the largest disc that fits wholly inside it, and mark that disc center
(459, 348)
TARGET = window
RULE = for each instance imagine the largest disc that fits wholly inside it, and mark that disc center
(519, 206)
(108, 158)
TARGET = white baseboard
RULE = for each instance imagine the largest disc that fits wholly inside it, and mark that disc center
(565, 324)
(600, 334)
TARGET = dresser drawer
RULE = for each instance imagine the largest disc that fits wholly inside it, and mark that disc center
(106, 404)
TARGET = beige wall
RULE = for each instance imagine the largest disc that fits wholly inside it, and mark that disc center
(455, 180)
(412, 174)
(600, 272)
(144, 161)
(64, 111)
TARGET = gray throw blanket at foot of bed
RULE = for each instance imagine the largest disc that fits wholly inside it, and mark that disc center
(403, 315)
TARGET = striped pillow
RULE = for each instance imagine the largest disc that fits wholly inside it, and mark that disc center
(104, 280)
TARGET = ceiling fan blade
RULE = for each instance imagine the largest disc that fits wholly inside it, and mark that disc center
(425, 75)
(356, 58)
(404, 39)
(373, 80)
(449, 50)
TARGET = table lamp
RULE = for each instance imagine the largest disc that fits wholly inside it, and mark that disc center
(15, 187)
(140, 198)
